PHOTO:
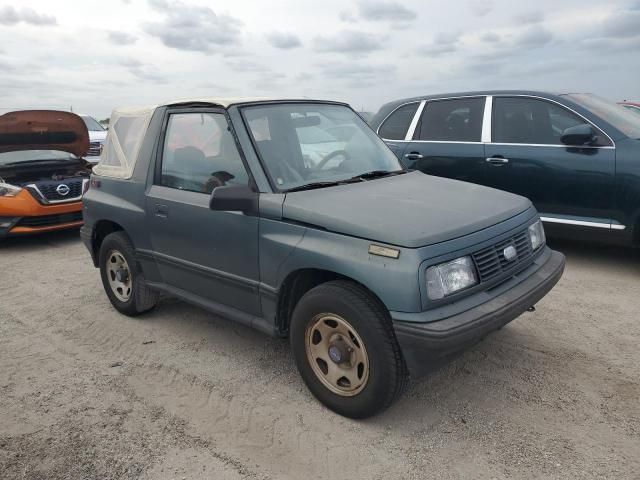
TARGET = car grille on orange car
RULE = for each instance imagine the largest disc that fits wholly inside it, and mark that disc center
(50, 220)
(49, 189)
(491, 261)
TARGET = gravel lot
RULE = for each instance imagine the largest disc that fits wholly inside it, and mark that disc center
(179, 393)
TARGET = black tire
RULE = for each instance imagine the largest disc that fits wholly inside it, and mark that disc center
(387, 373)
(141, 298)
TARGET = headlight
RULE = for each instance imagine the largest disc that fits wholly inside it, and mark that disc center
(536, 234)
(7, 190)
(450, 277)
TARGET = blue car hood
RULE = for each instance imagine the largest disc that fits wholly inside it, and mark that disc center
(410, 210)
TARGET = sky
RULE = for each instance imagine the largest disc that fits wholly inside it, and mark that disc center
(93, 56)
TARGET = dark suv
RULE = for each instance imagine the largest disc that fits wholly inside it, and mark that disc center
(575, 156)
(294, 218)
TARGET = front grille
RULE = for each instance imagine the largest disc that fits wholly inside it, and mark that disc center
(95, 149)
(491, 261)
(49, 220)
(50, 192)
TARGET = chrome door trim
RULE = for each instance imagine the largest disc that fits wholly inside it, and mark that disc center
(551, 145)
(583, 223)
(485, 137)
(414, 123)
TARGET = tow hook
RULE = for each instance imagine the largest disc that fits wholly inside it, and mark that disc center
(531, 309)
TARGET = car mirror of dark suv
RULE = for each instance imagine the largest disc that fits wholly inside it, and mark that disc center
(234, 198)
(578, 135)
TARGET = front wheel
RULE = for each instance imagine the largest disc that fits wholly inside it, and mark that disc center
(122, 278)
(345, 349)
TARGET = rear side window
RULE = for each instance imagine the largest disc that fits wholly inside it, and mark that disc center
(396, 126)
(532, 121)
(200, 153)
(455, 120)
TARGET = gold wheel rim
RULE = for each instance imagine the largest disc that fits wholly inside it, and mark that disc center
(119, 275)
(337, 354)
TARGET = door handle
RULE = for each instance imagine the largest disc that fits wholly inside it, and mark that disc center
(413, 156)
(497, 161)
(161, 210)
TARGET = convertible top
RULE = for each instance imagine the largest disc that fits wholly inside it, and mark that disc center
(128, 126)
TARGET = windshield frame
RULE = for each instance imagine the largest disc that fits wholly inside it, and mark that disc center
(242, 108)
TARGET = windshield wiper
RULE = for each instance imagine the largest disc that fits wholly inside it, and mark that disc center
(378, 174)
(315, 185)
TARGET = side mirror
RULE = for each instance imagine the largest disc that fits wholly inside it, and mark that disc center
(234, 198)
(578, 135)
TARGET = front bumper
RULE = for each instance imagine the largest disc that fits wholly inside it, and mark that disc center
(424, 342)
(24, 215)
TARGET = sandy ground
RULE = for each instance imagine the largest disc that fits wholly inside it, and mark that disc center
(86, 393)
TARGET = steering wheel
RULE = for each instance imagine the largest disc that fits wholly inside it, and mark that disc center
(333, 154)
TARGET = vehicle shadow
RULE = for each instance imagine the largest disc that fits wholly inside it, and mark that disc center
(38, 241)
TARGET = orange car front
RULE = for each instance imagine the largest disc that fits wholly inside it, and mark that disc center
(30, 210)
(42, 171)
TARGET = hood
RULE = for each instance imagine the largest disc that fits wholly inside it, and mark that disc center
(410, 210)
(43, 130)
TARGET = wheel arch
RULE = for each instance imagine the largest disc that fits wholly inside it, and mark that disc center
(299, 282)
(101, 229)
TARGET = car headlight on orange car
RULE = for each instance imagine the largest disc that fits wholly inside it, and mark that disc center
(7, 190)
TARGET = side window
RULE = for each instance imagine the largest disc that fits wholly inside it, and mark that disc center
(200, 153)
(396, 125)
(532, 121)
(455, 120)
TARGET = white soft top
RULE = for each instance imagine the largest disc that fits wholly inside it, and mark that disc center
(128, 126)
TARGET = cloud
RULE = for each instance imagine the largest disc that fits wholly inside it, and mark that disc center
(349, 42)
(443, 42)
(481, 7)
(12, 16)
(490, 37)
(247, 66)
(529, 17)
(622, 24)
(284, 41)
(121, 38)
(193, 28)
(347, 17)
(142, 71)
(535, 36)
(436, 50)
(382, 10)
(358, 75)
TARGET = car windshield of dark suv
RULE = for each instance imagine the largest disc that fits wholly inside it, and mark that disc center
(618, 116)
(27, 156)
(316, 145)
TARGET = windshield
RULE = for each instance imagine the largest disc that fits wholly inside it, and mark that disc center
(301, 144)
(92, 125)
(618, 116)
(31, 155)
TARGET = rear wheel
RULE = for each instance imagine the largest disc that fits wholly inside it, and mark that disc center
(345, 349)
(122, 278)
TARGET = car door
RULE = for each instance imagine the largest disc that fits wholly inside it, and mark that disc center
(447, 139)
(211, 254)
(567, 184)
